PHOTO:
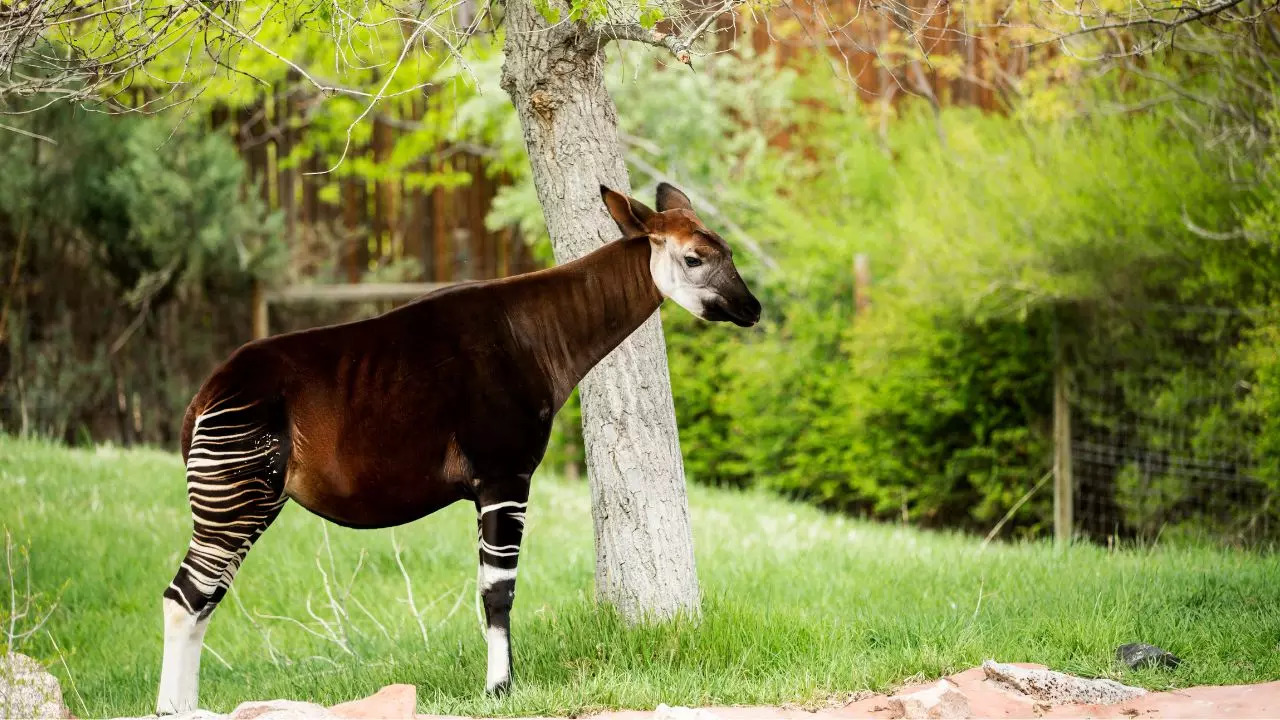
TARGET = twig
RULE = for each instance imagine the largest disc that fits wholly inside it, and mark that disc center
(325, 659)
(84, 709)
(165, 277)
(382, 92)
(208, 13)
(1021, 501)
(408, 589)
(28, 610)
(339, 609)
(703, 204)
(13, 591)
(218, 655)
(1207, 234)
(28, 133)
(381, 628)
(680, 46)
(1130, 23)
(266, 636)
(329, 629)
(462, 594)
(306, 628)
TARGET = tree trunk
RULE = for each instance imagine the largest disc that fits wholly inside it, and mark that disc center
(644, 544)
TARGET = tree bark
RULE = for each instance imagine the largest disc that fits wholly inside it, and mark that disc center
(644, 543)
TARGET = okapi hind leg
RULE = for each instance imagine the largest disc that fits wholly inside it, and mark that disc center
(501, 527)
(235, 480)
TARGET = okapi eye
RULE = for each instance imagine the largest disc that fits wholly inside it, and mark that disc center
(692, 261)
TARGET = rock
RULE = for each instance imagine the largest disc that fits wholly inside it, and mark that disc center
(27, 690)
(1058, 688)
(666, 712)
(280, 710)
(939, 701)
(392, 701)
(1140, 655)
(188, 715)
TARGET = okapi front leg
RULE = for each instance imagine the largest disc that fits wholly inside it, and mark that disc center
(501, 521)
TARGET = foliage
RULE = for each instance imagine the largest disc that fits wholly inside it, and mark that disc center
(112, 244)
(1263, 404)
(1258, 352)
(1000, 247)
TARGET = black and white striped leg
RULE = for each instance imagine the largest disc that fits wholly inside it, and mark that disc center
(501, 521)
(233, 487)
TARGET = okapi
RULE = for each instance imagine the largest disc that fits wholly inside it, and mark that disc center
(380, 422)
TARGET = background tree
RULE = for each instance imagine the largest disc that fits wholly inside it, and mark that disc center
(554, 72)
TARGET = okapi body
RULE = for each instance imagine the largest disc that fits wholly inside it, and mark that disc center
(380, 422)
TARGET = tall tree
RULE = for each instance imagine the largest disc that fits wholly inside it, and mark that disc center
(644, 543)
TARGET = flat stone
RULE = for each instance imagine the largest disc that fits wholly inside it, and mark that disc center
(1057, 688)
(280, 710)
(392, 701)
(942, 700)
(188, 715)
(1140, 655)
(27, 690)
(678, 712)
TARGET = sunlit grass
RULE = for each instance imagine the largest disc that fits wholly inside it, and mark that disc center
(798, 604)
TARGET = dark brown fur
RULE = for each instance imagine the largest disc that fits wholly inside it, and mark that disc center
(386, 420)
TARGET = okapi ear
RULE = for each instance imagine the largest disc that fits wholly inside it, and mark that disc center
(630, 214)
(670, 198)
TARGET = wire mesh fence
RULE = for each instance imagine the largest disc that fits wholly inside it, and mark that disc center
(1168, 449)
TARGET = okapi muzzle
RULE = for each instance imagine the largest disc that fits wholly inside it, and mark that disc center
(690, 263)
(450, 398)
(733, 302)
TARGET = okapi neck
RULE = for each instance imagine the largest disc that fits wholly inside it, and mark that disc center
(595, 302)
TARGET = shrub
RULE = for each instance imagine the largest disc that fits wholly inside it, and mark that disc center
(134, 247)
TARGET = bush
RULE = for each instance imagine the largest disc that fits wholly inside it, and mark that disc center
(134, 247)
(993, 253)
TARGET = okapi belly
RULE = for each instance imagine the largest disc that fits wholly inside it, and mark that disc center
(368, 501)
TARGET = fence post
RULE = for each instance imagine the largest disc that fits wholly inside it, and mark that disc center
(258, 299)
(1063, 498)
(861, 284)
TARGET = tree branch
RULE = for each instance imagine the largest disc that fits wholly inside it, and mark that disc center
(635, 33)
(1183, 15)
(700, 201)
(680, 45)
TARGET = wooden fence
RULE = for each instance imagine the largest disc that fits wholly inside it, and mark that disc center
(367, 225)
(373, 223)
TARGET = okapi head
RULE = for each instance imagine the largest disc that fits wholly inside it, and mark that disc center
(690, 263)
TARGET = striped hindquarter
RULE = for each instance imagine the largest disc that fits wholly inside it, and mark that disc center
(235, 481)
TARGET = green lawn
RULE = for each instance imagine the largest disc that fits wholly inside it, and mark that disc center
(799, 605)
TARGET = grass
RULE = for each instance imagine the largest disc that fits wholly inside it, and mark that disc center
(798, 605)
